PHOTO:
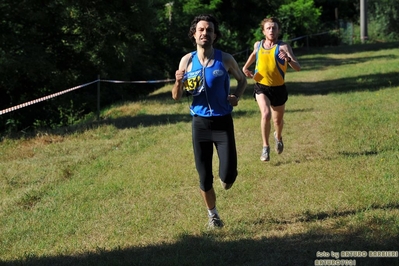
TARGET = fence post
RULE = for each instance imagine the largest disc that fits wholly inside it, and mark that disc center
(98, 98)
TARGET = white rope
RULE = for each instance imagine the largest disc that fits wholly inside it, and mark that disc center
(143, 81)
(19, 106)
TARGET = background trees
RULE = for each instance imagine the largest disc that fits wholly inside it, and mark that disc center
(384, 19)
(50, 45)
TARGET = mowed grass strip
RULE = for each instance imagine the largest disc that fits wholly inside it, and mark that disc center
(124, 190)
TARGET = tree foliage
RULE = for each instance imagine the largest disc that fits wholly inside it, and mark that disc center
(299, 18)
(384, 18)
(48, 46)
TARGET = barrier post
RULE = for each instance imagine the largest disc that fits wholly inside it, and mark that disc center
(98, 98)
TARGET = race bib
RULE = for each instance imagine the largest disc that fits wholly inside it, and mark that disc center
(193, 82)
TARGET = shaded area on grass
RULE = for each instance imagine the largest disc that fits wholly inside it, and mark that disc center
(373, 82)
(141, 120)
(298, 249)
(309, 216)
(124, 122)
(347, 49)
(325, 62)
(360, 153)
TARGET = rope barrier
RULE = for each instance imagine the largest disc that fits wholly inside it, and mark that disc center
(143, 81)
(19, 106)
(246, 50)
(310, 35)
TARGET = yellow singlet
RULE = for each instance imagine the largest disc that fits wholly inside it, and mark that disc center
(270, 66)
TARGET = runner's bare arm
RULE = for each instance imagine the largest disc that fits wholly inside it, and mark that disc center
(177, 90)
(287, 54)
(232, 67)
(251, 59)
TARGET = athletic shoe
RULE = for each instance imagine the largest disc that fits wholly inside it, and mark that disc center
(279, 144)
(265, 154)
(225, 185)
(214, 222)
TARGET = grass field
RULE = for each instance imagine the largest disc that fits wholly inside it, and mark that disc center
(124, 190)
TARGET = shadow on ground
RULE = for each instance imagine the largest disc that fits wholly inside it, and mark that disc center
(347, 49)
(301, 249)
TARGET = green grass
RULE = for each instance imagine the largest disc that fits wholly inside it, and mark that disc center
(124, 190)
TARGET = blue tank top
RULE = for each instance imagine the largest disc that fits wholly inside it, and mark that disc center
(210, 87)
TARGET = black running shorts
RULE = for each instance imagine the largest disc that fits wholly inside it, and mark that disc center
(277, 95)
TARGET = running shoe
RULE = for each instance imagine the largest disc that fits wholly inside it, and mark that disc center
(265, 154)
(279, 144)
(214, 222)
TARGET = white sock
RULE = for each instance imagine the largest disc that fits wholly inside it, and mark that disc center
(213, 211)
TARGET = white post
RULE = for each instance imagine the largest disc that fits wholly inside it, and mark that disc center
(363, 21)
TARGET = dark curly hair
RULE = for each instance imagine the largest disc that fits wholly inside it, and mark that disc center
(205, 17)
